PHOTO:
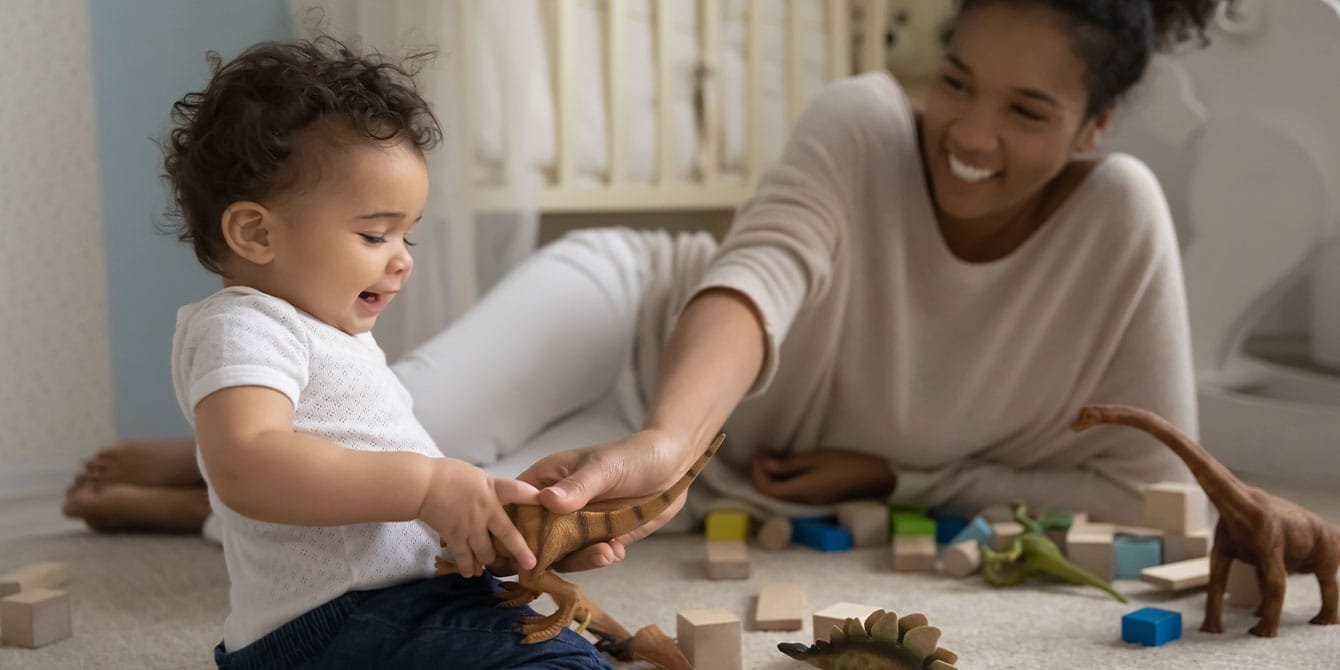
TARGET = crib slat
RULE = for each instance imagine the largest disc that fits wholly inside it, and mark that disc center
(461, 211)
(795, 44)
(838, 27)
(754, 106)
(567, 87)
(664, 72)
(615, 81)
(707, 100)
(876, 22)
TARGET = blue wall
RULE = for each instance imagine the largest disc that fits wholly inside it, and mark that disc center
(146, 55)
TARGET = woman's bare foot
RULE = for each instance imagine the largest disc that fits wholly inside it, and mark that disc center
(163, 463)
(120, 506)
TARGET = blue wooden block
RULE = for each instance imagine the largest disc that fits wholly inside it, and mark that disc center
(820, 535)
(977, 529)
(1151, 626)
(1133, 554)
(948, 527)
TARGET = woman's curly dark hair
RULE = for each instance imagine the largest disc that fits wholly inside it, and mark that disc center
(233, 140)
(1116, 37)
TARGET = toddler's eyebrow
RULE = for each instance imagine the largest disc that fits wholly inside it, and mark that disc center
(384, 215)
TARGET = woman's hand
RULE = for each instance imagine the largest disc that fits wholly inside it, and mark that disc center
(822, 476)
(641, 464)
(465, 506)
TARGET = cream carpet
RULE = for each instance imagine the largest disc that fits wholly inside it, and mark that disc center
(147, 601)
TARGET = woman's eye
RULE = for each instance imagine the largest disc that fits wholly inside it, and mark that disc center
(953, 83)
(372, 239)
(1026, 113)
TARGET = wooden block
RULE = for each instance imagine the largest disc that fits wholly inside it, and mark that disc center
(1176, 507)
(1133, 554)
(45, 575)
(1178, 576)
(710, 638)
(962, 559)
(868, 521)
(1244, 590)
(727, 560)
(1178, 548)
(1003, 534)
(727, 525)
(1090, 547)
(35, 617)
(781, 606)
(1057, 535)
(914, 553)
(775, 533)
(835, 615)
(911, 524)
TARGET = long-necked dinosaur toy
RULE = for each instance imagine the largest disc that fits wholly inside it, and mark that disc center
(1271, 533)
(553, 536)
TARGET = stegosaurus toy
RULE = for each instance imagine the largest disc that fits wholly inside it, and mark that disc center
(884, 642)
(1033, 553)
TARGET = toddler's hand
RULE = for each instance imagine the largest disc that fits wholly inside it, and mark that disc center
(464, 505)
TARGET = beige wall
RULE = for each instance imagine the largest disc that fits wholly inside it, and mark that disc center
(55, 369)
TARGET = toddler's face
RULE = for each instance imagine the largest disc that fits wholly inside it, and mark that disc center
(340, 242)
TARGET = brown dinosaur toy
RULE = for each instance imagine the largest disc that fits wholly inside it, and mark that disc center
(1273, 534)
(553, 536)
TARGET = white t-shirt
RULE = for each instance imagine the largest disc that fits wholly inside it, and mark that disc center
(965, 376)
(343, 391)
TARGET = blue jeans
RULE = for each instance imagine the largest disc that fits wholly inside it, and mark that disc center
(442, 622)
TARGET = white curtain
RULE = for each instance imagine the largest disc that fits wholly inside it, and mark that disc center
(488, 78)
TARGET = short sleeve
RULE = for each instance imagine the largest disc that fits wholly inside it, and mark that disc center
(246, 339)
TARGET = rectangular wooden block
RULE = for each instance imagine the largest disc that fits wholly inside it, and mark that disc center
(1057, 535)
(775, 533)
(710, 638)
(1176, 507)
(44, 575)
(1178, 576)
(1133, 554)
(1177, 548)
(727, 560)
(835, 615)
(781, 606)
(962, 559)
(1244, 590)
(868, 521)
(1090, 547)
(1003, 534)
(724, 526)
(34, 618)
(915, 553)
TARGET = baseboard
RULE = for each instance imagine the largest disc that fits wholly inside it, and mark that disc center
(39, 479)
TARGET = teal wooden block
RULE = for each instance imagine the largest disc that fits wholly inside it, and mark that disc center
(1133, 554)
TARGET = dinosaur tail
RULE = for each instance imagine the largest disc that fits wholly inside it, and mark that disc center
(1225, 490)
(616, 522)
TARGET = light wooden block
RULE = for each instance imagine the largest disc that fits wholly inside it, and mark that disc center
(1090, 547)
(1177, 548)
(961, 560)
(727, 560)
(1179, 576)
(1176, 507)
(868, 521)
(775, 533)
(1244, 590)
(727, 525)
(35, 618)
(781, 606)
(914, 553)
(44, 575)
(835, 615)
(1003, 534)
(710, 638)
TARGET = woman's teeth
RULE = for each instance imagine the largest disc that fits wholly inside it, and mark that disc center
(967, 172)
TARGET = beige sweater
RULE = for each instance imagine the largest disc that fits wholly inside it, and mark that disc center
(965, 376)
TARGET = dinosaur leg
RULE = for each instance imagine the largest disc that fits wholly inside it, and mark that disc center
(516, 595)
(1330, 594)
(1272, 577)
(654, 646)
(565, 594)
(1214, 596)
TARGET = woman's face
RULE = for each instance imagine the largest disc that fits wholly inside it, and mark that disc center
(1007, 111)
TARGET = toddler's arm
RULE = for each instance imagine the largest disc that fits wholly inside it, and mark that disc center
(260, 467)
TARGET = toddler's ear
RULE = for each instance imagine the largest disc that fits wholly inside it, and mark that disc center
(246, 228)
(1093, 130)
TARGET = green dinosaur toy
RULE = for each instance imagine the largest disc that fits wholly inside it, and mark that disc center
(1033, 552)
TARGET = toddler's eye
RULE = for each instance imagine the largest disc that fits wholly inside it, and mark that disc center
(372, 239)
(409, 243)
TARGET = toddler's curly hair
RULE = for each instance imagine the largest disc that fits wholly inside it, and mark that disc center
(234, 140)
